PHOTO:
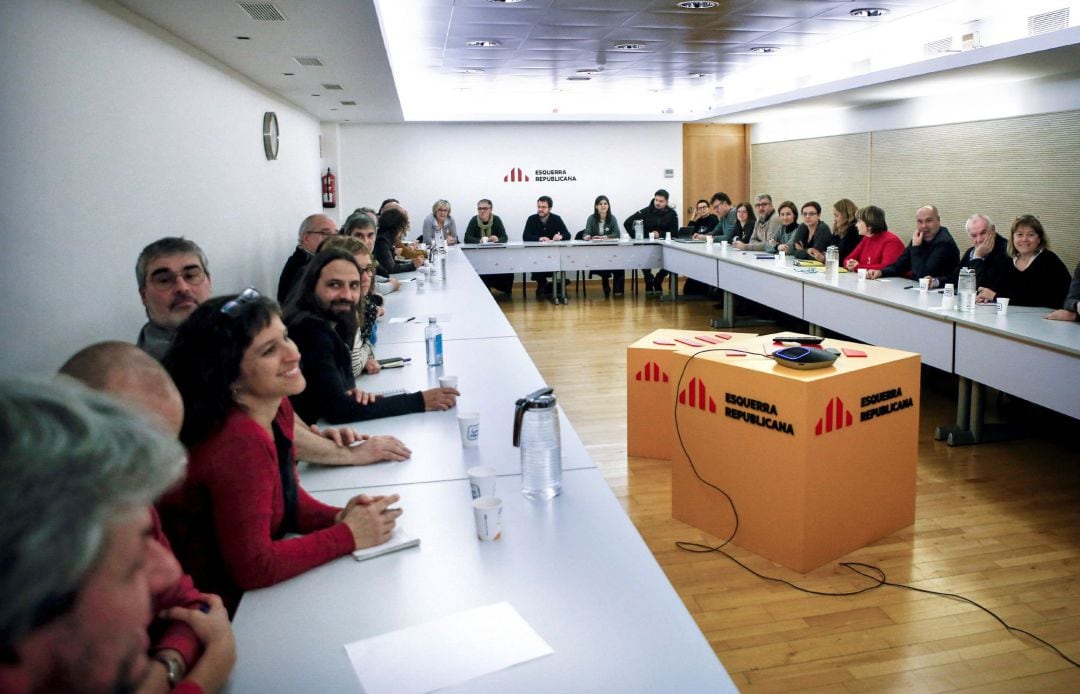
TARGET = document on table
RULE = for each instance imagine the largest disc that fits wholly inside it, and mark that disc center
(447, 651)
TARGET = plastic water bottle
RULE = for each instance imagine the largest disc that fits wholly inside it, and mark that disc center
(832, 263)
(536, 431)
(433, 343)
(966, 289)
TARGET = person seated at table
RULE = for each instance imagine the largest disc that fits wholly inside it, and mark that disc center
(702, 221)
(845, 230)
(724, 229)
(393, 225)
(361, 225)
(486, 227)
(765, 225)
(744, 223)
(81, 563)
(988, 256)
(1037, 276)
(879, 246)
(932, 250)
(658, 219)
(544, 226)
(322, 321)
(134, 378)
(783, 238)
(1070, 309)
(236, 367)
(813, 236)
(602, 224)
(368, 308)
(439, 221)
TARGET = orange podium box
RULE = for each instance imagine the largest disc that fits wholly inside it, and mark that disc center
(653, 364)
(817, 463)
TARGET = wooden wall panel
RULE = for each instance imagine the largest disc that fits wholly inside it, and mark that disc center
(715, 158)
(823, 169)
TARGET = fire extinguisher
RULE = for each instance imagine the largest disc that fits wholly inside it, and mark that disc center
(329, 189)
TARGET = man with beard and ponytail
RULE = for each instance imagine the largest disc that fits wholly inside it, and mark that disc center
(321, 319)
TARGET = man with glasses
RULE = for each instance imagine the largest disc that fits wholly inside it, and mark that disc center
(767, 226)
(486, 227)
(314, 230)
(173, 280)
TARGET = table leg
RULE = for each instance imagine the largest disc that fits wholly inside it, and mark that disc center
(673, 287)
(728, 319)
(963, 412)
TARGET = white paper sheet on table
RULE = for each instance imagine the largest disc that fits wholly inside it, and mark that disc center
(446, 651)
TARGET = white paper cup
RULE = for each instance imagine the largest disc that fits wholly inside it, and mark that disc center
(924, 284)
(469, 426)
(487, 510)
(950, 290)
(1003, 305)
(667, 236)
(862, 273)
(448, 382)
(481, 481)
(421, 280)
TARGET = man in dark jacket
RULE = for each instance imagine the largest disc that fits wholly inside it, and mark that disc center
(544, 226)
(314, 230)
(322, 323)
(658, 219)
(931, 253)
(988, 256)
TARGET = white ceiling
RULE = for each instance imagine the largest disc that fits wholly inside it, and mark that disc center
(403, 59)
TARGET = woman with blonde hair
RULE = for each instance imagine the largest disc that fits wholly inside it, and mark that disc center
(845, 231)
(439, 221)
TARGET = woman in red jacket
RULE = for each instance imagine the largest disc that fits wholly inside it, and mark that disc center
(236, 367)
(879, 246)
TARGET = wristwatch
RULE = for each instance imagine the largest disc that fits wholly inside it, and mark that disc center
(174, 667)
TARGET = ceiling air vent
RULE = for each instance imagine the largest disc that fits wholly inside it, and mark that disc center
(938, 47)
(348, 103)
(262, 11)
(332, 87)
(308, 61)
(1048, 21)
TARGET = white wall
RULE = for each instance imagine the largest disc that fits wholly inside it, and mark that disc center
(116, 134)
(463, 162)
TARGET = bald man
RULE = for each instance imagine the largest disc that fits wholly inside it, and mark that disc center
(183, 658)
(314, 230)
(932, 252)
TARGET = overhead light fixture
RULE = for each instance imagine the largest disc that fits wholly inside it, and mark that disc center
(289, 74)
(243, 38)
(697, 4)
(506, 2)
(629, 46)
(332, 87)
(697, 75)
(471, 70)
(579, 78)
(869, 12)
(589, 71)
(483, 43)
(765, 50)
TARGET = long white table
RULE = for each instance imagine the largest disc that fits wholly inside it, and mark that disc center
(573, 567)
(492, 374)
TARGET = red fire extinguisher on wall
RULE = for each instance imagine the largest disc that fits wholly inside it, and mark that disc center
(329, 189)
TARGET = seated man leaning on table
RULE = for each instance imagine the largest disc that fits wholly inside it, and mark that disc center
(135, 379)
(80, 561)
(1071, 308)
(988, 256)
(931, 253)
(173, 281)
(723, 209)
(321, 319)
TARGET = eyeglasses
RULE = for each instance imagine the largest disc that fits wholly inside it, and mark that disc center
(368, 270)
(233, 308)
(483, 208)
(761, 204)
(165, 279)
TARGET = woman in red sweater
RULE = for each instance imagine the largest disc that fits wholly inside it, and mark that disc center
(879, 246)
(236, 367)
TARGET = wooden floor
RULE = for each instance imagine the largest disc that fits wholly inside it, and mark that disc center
(998, 523)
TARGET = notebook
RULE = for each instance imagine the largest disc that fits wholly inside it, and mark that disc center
(399, 539)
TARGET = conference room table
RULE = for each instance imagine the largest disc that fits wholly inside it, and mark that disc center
(574, 567)
(1018, 352)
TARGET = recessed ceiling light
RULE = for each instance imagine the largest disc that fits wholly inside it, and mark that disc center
(697, 4)
(483, 43)
(288, 74)
(698, 75)
(578, 78)
(765, 49)
(471, 70)
(590, 71)
(506, 2)
(869, 12)
(668, 111)
(316, 94)
(243, 38)
(629, 46)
